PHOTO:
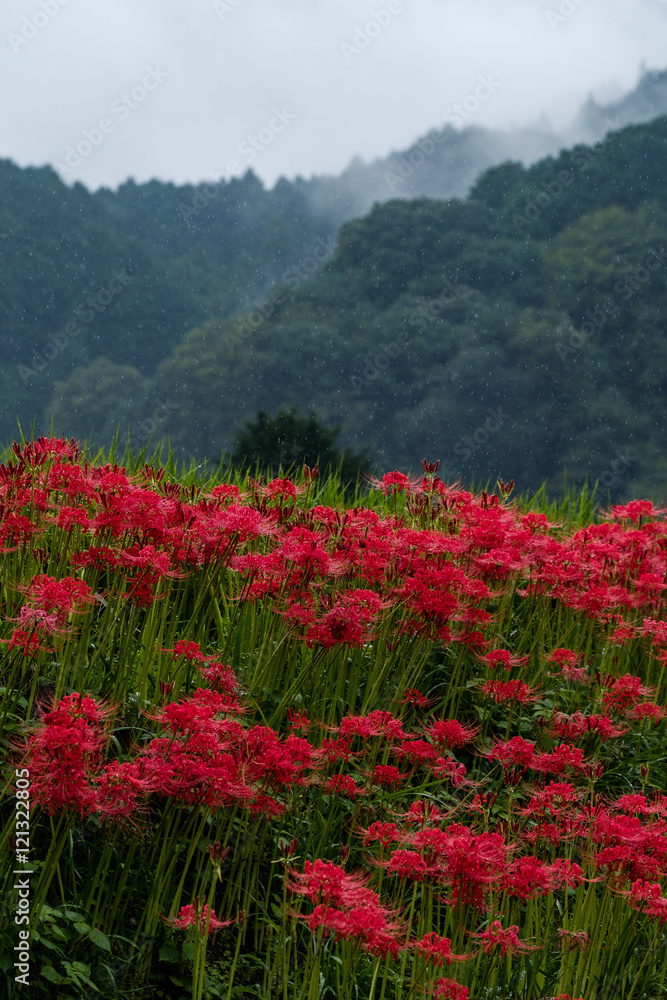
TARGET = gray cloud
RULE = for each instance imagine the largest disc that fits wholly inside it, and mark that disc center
(358, 78)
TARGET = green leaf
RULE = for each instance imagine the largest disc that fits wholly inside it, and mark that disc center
(100, 939)
(72, 916)
(168, 953)
(50, 973)
(188, 950)
(82, 928)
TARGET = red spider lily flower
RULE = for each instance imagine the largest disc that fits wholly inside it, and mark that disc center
(50, 602)
(120, 789)
(369, 924)
(417, 751)
(447, 767)
(636, 510)
(386, 775)
(377, 723)
(647, 898)
(414, 697)
(64, 755)
(394, 482)
(527, 878)
(382, 832)
(624, 692)
(410, 865)
(647, 710)
(507, 939)
(190, 650)
(569, 940)
(656, 629)
(203, 918)
(298, 721)
(573, 727)
(342, 784)
(438, 949)
(502, 658)
(449, 989)
(220, 677)
(322, 881)
(27, 641)
(225, 491)
(451, 733)
(560, 759)
(502, 691)
(569, 663)
(513, 753)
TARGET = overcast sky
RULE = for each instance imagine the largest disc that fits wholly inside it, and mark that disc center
(188, 90)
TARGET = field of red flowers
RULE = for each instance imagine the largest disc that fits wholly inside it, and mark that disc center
(259, 741)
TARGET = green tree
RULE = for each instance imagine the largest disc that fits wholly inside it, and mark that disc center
(290, 439)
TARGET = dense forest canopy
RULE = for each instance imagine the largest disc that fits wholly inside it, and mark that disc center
(517, 332)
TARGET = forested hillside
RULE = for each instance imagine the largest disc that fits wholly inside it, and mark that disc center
(518, 332)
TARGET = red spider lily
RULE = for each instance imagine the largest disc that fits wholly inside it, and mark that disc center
(507, 939)
(27, 641)
(447, 767)
(64, 755)
(569, 940)
(376, 724)
(50, 602)
(449, 989)
(573, 727)
(387, 775)
(369, 924)
(382, 832)
(201, 917)
(298, 721)
(513, 753)
(624, 692)
(647, 898)
(119, 791)
(329, 883)
(222, 678)
(438, 949)
(394, 482)
(410, 865)
(225, 491)
(502, 691)
(342, 784)
(636, 510)
(503, 658)
(451, 733)
(414, 697)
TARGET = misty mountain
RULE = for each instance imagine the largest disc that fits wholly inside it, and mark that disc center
(447, 161)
